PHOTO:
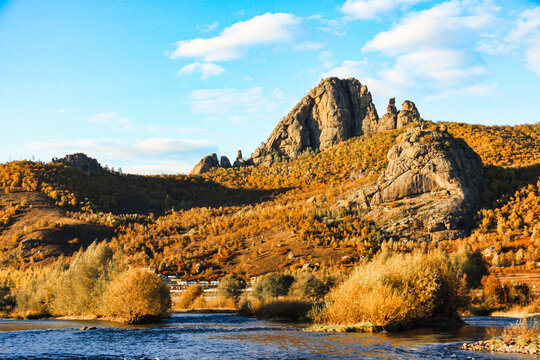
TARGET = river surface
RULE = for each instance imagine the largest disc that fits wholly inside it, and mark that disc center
(226, 336)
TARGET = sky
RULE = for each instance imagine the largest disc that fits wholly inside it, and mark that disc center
(153, 86)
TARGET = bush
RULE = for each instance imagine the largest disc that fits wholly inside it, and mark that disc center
(7, 300)
(188, 297)
(471, 264)
(273, 285)
(396, 291)
(277, 309)
(231, 287)
(79, 289)
(136, 296)
(309, 286)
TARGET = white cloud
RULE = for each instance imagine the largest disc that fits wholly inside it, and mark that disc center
(235, 40)
(349, 68)
(371, 9)
(109, 118)
(236, 105)
(151, 147)
(436, 49)
(209, 27)
(308, 45)
(528, 22)
(205, 69)
(357, 69)
(532, 54)
(448, 24)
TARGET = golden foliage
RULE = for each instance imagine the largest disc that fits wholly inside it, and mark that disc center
(136, 296)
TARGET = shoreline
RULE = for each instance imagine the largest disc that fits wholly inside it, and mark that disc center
(514, 346)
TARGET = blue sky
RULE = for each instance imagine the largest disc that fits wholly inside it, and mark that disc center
(152, 86)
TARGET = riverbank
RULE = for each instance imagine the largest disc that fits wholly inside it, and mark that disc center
(520, 338)
(515, 346)
(442, 323)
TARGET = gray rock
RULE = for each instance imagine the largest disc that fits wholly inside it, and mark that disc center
(433, 173)
(332, 112)
(82, 162)
(206, 163)
(224, 162)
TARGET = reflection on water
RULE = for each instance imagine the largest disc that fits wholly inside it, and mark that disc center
(225, 336)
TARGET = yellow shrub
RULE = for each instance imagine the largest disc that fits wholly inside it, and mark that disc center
(137, 295)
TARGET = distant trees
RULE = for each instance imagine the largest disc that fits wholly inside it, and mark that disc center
(273, 285)
(231, 287)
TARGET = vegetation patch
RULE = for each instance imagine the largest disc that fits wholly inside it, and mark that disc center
(523, 337)
(396, 291)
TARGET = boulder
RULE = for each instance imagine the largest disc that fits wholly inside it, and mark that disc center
(408, 115)
(224, 162)
(206, 163)
(433, 173)
(389, 120)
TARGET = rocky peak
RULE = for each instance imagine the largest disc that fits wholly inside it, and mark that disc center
(332, 112)
(430, 171)
(82, 162)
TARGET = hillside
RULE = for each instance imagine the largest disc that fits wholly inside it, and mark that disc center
(289, 213)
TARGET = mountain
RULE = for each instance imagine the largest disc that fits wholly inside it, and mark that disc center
(402, 180)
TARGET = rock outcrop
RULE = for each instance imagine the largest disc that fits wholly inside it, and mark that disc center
(211, 161)
(82, 162)
(332, 112)
(208, 162)
(394, 119)
(432, 178)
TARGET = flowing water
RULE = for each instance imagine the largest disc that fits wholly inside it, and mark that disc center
(226, 336)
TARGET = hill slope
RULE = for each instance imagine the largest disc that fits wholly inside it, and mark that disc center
(289, 214)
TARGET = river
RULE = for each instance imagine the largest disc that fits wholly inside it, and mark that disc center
(226, 336)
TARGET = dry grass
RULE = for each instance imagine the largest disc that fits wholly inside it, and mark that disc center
(284, 308)
(396, 291)
(522, 337)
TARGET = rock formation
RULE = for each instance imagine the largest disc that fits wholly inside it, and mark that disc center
(332, 112)
(394, 119)
(211, 161)
(208, 162)
(82, 162)
(225, 163)
(431, 176)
